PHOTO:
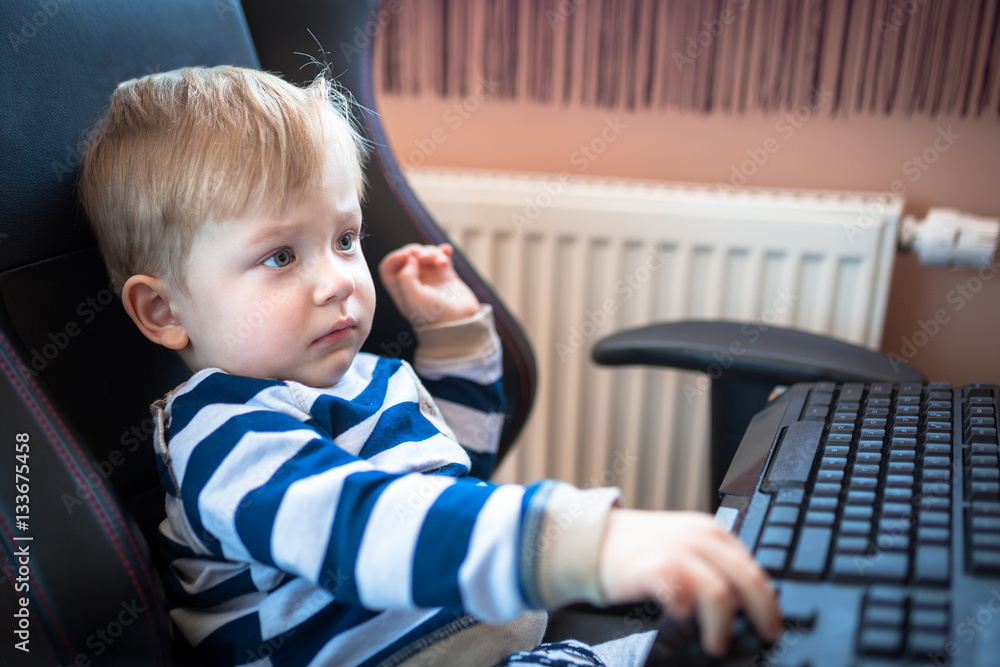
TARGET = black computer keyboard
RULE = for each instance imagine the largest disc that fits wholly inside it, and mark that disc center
(876, 510)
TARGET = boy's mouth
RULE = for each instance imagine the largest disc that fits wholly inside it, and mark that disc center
(340, 331)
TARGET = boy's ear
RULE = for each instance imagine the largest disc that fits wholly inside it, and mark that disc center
(145, 301)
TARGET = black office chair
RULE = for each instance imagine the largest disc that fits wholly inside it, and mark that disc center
(77, 376)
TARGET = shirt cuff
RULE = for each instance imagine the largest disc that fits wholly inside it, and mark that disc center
(570, 543)
(457, 343)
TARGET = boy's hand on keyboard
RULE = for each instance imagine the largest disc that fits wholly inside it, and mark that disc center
(686, 560)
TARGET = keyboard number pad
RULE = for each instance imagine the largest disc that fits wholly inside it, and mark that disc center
(895, 622)
(982, 480)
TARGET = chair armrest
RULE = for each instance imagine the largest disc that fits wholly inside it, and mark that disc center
(781, 356)
(745, 361)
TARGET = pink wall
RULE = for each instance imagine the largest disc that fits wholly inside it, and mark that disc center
(807, 149)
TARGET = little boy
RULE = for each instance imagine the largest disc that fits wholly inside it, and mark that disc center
(322, 507)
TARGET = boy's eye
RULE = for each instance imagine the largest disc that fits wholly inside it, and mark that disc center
(348, 242)
(280, 259)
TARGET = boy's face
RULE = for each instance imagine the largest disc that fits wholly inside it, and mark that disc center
(288, 297)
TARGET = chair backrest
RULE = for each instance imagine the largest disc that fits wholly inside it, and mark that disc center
(77, 377)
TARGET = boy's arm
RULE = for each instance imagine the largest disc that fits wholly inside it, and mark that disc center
(384, 540)
(460, 364)
(459, 356)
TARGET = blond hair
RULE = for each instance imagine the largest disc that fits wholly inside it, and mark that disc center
(178, 149)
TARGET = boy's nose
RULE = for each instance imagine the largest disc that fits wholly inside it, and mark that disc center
(332, 279)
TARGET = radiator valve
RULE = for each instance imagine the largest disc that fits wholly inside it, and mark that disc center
(947, 237)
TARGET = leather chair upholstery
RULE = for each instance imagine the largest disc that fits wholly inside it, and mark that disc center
(77, 376)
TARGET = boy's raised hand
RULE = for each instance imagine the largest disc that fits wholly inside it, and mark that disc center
(687, 561)
(424, 286)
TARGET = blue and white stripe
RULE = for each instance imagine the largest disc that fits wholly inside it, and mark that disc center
(304, 530)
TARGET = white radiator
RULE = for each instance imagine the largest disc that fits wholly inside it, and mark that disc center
(576, 259)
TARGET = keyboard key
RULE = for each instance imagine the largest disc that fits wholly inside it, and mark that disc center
(879, 594)
(985, 507)
(857, 497)
(892, 542)
(849, 544)
(935, 489)
(790, 497)
(934, 518)
(786, 515)
(873, 458)
(933, 535)
(894, 509)
(881, 641)
(928, 619)
(898, 467)
(827, 489)
(771, 559)
(864, 483)
(816, 413)
(812, 550)
(926, 643)
(819, 518)
(985, 561)
(930, 598)
(936, 462)
(866, 469)
(892, 615)
(880, 389)
(823, 503)
(935, 502)
(986, 540)
(984, 491)
(932, 564)
(776, 536)
(897, 493)
(855, 527)
(858, 512)
(853, 391)
(824, 476)
(887, 566)
(893, 526)
(985, 523)
(899, 480)
(793, 462)
(937, 474)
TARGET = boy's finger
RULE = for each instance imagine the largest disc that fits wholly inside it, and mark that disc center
(716, 606)
(751, 584)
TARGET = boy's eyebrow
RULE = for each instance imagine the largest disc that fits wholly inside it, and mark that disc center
(270, 232)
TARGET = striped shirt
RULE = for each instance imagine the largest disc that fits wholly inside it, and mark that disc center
(342, 526)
